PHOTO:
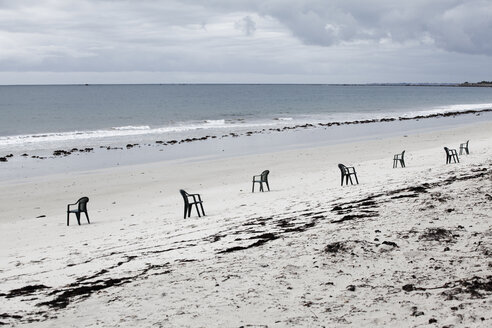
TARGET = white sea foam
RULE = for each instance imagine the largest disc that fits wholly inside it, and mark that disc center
(215, 122)
(54, 138)
(131, 127)
(31, 139)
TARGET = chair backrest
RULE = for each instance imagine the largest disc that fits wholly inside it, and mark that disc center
(83, 204)
(402, 154)
(185, 195)
(467, 143)
(264, 175)
(446, 150)
(342, 168)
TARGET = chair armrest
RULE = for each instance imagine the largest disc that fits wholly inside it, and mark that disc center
(68, 206)
(194, 196)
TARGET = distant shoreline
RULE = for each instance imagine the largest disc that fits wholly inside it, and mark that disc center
(403, 84)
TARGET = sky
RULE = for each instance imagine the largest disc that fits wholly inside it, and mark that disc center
(245, 41)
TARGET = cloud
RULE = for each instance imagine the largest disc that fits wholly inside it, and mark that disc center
(454, 25)
(247, 25)
(318, 40)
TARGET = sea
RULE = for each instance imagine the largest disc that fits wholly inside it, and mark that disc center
(36, 120)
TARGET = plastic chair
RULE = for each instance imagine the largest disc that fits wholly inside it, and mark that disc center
(81, 208)
(261, 179)
(399, 158)
(451, 154)
(347, 172)
(188, 204)
(464, 146)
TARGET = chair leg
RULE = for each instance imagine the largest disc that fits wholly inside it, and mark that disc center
(203, 212)
(78, 217)
(349, 177)
(355, 175)
(261, 186)
(402, 163)
(189, 210)
(467, 151)
(395, 163)
(457, 158)
(253, 189)
(197, 210)
(267, 185)
(68, 221)
(341, 184)
(87, 216)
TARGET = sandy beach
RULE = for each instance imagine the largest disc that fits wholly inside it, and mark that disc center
(406, 247)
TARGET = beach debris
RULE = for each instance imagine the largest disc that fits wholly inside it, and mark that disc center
(9, 316)
(352, 247)
(61, 152)
(350, 217)
(83, 289)
(415, 312)
(438, 234)
(264, 238)
(3, 159)
(26, 290)
(41, 216)
(389, 243)
(334, 247)
(351, 288)
(476, 287)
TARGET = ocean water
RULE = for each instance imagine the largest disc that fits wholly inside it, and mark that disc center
(36, 120)
(48, 117)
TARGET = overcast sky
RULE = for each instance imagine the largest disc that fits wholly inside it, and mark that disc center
(252, 41)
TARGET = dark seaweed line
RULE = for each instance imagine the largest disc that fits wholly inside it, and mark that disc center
(474, 286)
(61, 152)
(366, 207)
(83, 290)
(78, 291)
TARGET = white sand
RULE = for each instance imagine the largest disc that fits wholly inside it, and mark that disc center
(140, 264)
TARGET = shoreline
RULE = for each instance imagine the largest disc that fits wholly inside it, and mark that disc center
(67, 152)
(20, 168)
(399, 247)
